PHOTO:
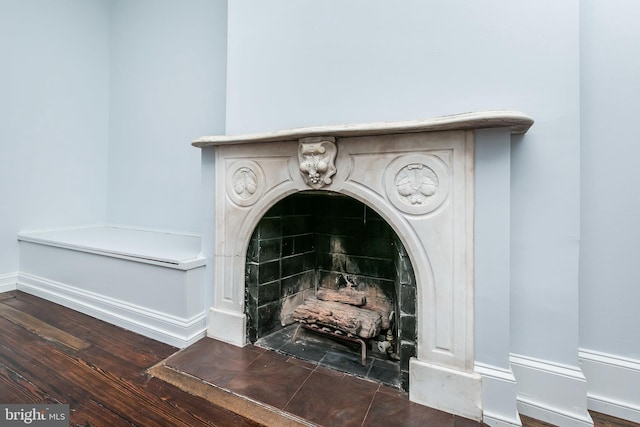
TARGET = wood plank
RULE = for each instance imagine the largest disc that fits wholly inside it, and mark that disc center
(137, 349)
(127, 400)
(599, 420)
(207, 412)
(76, 380)
(26, 353)
(92, 413)
(7, 295)
(115, 364)
(96, 396)
(604, 420)
(14, 388)
(42, 329)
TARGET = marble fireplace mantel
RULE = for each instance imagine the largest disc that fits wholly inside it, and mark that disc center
(420, 176)
(516, 122)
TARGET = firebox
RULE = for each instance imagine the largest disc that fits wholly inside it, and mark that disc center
(321, 244)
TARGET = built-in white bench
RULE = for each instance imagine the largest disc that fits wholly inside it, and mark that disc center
(151, 282)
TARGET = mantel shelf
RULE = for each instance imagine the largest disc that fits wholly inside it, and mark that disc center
(518, 123)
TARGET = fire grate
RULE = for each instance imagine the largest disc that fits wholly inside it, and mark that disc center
(334, 333)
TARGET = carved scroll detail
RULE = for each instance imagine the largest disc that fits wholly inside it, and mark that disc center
(317, 160)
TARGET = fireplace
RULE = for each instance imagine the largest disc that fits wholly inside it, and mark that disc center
(414, 179)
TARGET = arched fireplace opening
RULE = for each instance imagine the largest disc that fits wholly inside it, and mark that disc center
(325, 241)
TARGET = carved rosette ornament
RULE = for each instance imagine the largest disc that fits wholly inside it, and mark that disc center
(245, 182)
(417, 184)
(317, 157)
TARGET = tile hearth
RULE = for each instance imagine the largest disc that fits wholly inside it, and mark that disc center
(303, 393)
(333, 354)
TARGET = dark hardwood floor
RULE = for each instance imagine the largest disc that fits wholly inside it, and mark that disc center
(51, 354)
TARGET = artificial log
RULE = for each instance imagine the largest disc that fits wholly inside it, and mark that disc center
(344, 295)
(354, 320)
(382, 306)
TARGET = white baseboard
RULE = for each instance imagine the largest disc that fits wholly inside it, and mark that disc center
(163, 327)
(613, 384)
(8, 282)
(496, 421)
(551, 392)
(499, 396)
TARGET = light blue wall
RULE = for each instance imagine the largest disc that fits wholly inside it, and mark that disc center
(53, 117)
(297, 63)
(167, 70)
(609, 273)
